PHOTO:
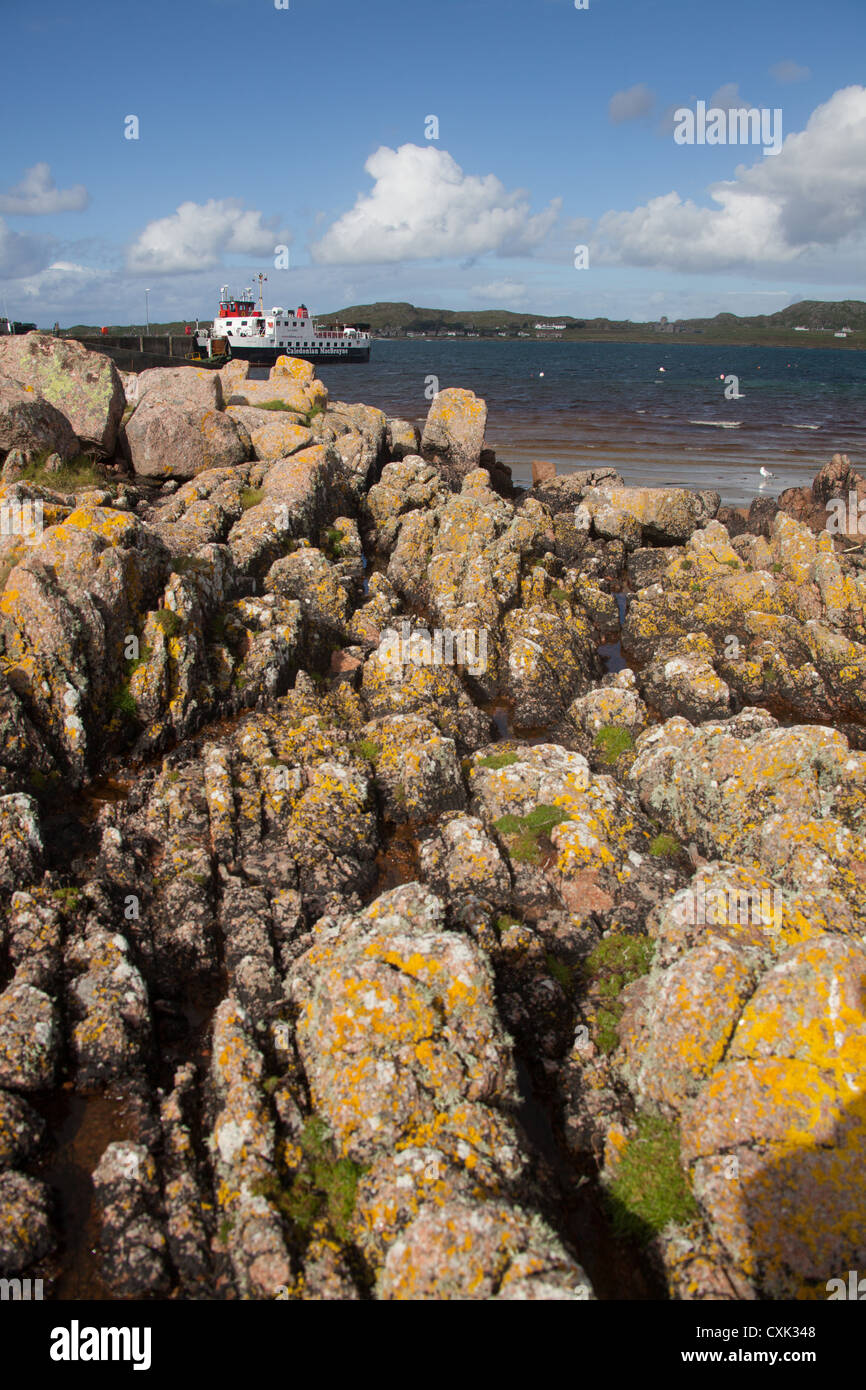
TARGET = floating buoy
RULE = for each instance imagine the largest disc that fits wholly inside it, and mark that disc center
(661, 369)
(541, 373)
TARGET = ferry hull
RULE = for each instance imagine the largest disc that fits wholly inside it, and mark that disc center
(267, 356)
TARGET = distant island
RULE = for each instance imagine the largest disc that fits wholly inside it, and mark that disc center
(808, 323)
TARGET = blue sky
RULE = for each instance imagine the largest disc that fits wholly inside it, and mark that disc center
(307, 126)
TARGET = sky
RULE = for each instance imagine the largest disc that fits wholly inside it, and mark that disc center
(452, 153)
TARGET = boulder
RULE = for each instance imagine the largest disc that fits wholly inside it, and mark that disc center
(543, 471)
(66, 612)
(279, 438)
(308, 576)
(416, 768)
(21, 1129)
(663, 515)
(30, 423)
(26, 1227)
(402, 437)
(480, 1250)
(300, 371)
(194, 386)
(85, 386)
(282, 388)
(166, 439)
(398, 1023)
(233, 374)
(454, 432)
(29, 1038)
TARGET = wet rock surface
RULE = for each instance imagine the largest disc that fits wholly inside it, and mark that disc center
(417, 889)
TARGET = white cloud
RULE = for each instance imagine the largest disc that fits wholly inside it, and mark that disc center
(37, 193)
(631, 104)
(808, 198)
(423, 206)
(788, 71)
(727, 97)
(22, 254)
(198, 235)
(62, 281)
(500, 292)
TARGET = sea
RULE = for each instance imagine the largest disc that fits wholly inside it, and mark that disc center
(657, 412)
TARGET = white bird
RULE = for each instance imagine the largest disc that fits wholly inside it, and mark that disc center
(661, 369)
(541, 373)
(765, 472)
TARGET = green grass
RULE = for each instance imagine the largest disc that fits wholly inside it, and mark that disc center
(251, 497)
(505, 921)
(67, 898)
(663, 846)
(777, 567)
(333, 543)
(559, 595)
(649, 1189)
(686, 564)
(78, 473)
(612, 741)
(323, 1188)
(167, 621)
(498, 760)
(43, 783)
(524, 831)
(611, 965)
(366, 748)
(123, 703)
(562, 973)
(274, 405)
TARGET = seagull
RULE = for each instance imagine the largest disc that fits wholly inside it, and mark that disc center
(661, 369)
(765, 472)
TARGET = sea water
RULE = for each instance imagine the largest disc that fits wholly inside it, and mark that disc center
(586, 404)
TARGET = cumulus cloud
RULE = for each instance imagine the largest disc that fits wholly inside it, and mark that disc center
(22, 254)
(631, 104)
(808, 198)
(500, 292)
(198, 235)
(422, 206)
(37, 193)
(788, 71)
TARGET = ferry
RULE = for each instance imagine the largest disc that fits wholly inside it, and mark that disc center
(256, 335)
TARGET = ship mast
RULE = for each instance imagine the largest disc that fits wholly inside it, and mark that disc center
(261, 279)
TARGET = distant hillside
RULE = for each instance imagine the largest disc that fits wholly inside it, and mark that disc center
(400, 319)
(406, 317)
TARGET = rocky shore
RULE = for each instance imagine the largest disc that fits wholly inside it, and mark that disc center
(415, 887)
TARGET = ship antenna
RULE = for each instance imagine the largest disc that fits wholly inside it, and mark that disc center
(261, 279)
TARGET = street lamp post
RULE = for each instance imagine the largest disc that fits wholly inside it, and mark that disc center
(147, 311)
